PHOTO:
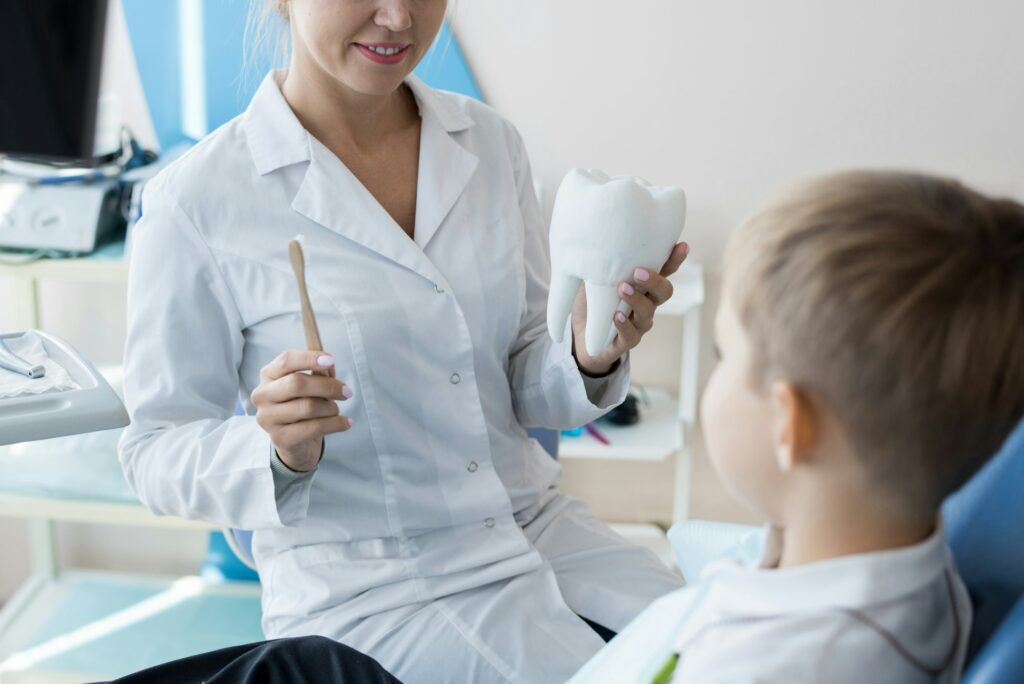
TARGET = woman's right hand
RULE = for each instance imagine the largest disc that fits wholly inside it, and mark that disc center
(297, 409)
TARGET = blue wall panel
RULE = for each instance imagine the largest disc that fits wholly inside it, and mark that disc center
(153, 29)
(153, 26)
(445, 67)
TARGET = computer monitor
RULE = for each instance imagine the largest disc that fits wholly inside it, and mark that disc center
(51, 53)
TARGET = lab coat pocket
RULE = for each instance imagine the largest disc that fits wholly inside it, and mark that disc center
(320, 576)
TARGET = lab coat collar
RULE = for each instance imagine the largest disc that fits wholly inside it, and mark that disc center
(848, 582)
(277, 138)
(445, 166)
(443, 108)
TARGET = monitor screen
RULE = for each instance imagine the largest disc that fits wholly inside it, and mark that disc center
(51, 52)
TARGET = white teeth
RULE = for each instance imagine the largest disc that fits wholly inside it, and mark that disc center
(385, 51)
(603, 228)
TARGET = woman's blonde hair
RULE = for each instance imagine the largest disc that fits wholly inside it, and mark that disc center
(267, 40)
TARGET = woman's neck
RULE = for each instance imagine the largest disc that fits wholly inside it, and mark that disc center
(340, 117)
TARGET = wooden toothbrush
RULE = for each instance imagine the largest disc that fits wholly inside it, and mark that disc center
(313, 343)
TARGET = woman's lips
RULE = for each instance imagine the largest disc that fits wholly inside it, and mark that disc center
(383, 53)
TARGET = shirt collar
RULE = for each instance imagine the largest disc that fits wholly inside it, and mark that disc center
(277, 139)
(852, 581)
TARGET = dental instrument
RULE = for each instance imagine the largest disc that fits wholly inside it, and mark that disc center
(12, 362)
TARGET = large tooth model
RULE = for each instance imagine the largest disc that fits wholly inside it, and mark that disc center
(601, 230)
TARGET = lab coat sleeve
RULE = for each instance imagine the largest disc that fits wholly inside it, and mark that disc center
(185, 452)
(548, 389)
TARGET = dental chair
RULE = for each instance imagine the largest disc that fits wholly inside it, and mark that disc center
(985, 530)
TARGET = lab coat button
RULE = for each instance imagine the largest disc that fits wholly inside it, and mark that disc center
(489, 522)
(455, 378)
(472, 467)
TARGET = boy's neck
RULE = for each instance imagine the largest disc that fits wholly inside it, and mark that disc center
(836, 530)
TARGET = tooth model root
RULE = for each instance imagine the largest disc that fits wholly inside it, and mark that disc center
(602, 303)
(602, 228)
(560, 299)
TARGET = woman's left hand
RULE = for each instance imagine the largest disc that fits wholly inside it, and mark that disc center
(644, 293)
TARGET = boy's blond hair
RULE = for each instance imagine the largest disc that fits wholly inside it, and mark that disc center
(897, 301)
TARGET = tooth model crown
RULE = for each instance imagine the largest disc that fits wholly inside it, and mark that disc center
(601, 230)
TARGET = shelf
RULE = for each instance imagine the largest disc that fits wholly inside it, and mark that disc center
(688, 291)
(105, 265)
(91, 511)
(656, 437)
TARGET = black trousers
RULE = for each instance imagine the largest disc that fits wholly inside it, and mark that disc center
(302, 660)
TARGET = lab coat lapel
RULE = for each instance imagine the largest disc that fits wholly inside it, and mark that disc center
(445, 169)
(332, 196)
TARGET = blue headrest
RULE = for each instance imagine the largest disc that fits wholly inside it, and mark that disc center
(1001, 659)
(985, 525)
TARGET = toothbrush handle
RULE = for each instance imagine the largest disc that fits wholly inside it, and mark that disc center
(309, 326)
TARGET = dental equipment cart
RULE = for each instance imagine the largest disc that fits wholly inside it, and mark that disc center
(67, 625)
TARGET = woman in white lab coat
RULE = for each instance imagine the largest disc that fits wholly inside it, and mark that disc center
(422, 526)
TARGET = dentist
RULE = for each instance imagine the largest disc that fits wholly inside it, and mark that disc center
(400, 508)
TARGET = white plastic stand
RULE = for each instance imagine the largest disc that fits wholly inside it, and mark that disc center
(94, 406)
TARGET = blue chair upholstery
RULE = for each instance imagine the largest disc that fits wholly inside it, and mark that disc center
(985, 526)
(225, 561)
(1001, 658)
(547, 439)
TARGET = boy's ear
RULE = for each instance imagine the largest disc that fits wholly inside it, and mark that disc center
(795, 425)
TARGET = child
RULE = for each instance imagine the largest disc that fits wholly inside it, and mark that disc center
(871, 337)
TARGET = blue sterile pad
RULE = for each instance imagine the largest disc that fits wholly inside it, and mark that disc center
(101, 627)
(89, 405)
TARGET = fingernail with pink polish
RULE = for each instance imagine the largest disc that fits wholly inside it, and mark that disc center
(325, 361)
(627, 288)
(641, 275)
(620, 317)
(347, 392)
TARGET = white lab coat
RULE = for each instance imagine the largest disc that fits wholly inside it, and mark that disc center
(431, 535)
(899, 616)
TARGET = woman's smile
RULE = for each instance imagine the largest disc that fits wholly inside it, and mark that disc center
(383, 53)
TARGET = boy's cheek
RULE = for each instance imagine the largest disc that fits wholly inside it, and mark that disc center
(724, 424)
(737, 432)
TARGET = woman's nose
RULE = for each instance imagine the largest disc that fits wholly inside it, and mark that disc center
(394, 15)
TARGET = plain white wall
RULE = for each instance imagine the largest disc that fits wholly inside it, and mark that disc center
(733, 100)
(730, 100)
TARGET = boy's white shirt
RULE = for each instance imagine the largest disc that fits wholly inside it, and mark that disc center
(751, 622)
